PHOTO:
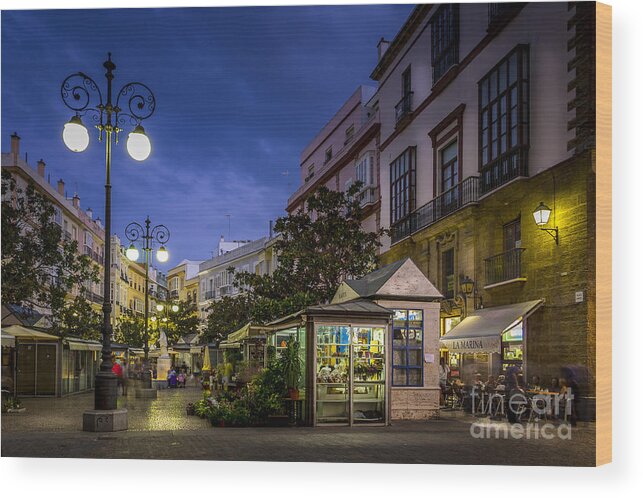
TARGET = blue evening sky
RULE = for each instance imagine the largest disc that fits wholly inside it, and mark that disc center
(239, 91)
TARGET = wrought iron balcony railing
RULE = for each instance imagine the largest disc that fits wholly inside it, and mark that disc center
(404, 107)
(465, 192)
(504, 267)
(211, 294)
(511, 165)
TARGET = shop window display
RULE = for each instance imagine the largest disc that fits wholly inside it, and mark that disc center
(408, 348)
(351, 375)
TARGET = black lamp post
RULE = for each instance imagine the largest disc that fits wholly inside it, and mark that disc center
(82, 94)
(160, 234)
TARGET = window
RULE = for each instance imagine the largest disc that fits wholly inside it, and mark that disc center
(504, 120)
(448, 273)
(403, 185)
(408, 347)
(58, 216)
(449, 173)
(404, 106)
(311, 172)
(445, 34)
(350, 131)
(329, 155)
(511, 235)
(364, 169)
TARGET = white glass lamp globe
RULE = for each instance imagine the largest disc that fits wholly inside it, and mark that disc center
(175, 308)
(162, 255)
(75, 135)
(541, 214)
(132, 253)
(153, 318)
(138, 145)
(159, 307)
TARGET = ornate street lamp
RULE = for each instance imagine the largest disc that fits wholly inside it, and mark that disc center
(541, 217)
(135, 102)
(159, 234)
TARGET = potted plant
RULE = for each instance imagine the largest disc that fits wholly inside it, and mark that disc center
(291, 367)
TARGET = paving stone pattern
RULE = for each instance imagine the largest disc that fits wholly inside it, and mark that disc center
(160, 429)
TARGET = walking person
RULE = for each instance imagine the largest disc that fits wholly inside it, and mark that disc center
(118, 371)
(124, 377)
(443, 377)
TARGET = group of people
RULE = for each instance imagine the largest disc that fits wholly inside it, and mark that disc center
(177, 377)
(513, 382)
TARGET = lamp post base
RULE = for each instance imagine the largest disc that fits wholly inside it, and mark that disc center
(105, 420)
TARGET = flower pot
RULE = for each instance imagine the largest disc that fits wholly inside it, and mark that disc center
(293, 393)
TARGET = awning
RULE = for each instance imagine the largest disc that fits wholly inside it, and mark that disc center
(20, 332)
(195, 350)
(137, 351)
(248, 331)
(83, 345)
(481, 331)
(8, 340)
(229, 345)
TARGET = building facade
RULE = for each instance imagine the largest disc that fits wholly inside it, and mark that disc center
(345, 151)
(485, 117)
(76, 223)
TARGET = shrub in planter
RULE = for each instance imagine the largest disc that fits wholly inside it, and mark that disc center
(291, 367)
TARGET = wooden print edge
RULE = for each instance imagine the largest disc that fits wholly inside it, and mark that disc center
(603, 234)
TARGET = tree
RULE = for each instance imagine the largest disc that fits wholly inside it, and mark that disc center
(77, 318)
(131, 331)
(38, 269)
(225, 316)
(182, 322)
(318, 248)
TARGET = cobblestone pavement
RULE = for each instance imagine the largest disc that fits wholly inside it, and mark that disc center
(159, 429)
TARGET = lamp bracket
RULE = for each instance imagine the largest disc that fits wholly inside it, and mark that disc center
(553, 232)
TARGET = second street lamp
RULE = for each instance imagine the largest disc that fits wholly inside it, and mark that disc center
(159, 234)
(83, 96)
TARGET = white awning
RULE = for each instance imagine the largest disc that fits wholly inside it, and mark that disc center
(20, 332)
(83, 345)
(8, 340)
(481, 331)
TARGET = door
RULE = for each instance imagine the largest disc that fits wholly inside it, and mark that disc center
(350, 384)
(26, 369)
(45, 369)
(369, 375)
(332, 374)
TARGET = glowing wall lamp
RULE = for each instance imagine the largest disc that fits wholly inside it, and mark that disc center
(541, 217)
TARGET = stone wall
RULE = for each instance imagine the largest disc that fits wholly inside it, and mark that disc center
(562, 332)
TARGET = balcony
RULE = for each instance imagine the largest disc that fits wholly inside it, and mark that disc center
(404, 107)
(211, 294)
(67, 235)
(504, 268)
(464, 193)
(368, 196)
(504, 169)
(174, 294)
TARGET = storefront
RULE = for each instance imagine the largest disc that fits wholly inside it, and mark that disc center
(349, 365)
(80, 359)
(489, 341)
(370, 356)
(36, 361)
